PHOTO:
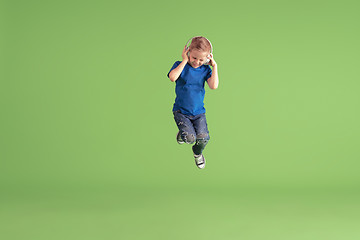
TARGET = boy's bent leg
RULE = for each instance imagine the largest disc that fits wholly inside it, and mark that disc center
(202, 134)
(187, 131)
(200, 144)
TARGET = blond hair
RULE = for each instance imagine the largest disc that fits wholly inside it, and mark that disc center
(200, 43)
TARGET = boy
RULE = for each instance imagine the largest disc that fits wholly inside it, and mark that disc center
(189, 112)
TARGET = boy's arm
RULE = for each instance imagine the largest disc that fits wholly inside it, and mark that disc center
(213, 81)
(175, 73)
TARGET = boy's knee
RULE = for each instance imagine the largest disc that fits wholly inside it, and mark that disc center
(189, 138)
(203, 137)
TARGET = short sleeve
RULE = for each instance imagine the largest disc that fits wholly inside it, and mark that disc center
(174, 66)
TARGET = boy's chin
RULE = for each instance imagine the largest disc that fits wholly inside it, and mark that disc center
(195, 66)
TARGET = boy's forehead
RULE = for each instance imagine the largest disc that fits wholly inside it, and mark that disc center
(198, 53)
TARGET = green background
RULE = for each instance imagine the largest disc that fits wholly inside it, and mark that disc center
(87, 138)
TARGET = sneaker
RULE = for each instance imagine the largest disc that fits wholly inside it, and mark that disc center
(199, 161)
(179, 139)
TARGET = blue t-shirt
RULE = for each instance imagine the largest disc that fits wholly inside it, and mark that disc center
(190, 91)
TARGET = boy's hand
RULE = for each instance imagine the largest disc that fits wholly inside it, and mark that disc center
(212, 61)
(184, 54)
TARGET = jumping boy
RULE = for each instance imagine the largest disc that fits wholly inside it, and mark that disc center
(190, 75)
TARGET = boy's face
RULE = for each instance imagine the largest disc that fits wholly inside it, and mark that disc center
(197, 57)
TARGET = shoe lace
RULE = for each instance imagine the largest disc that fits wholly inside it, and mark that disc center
(199, 159)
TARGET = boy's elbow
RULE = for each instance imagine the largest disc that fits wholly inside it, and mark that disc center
(214, 86)
(171, 77)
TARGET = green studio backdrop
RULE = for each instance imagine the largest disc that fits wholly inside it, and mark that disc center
(88, 136)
